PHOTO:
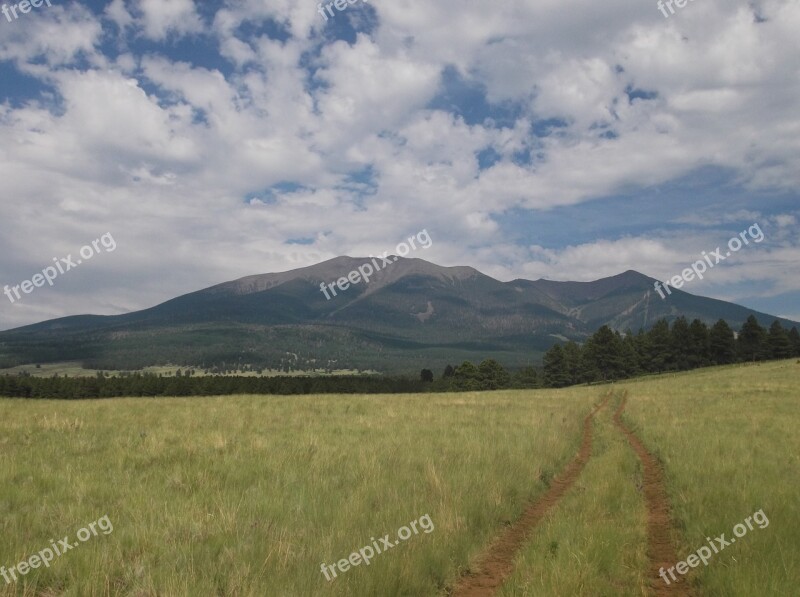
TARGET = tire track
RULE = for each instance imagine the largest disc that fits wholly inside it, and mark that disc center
(497, 562)
(660, 550)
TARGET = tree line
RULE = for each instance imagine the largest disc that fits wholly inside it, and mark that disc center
(151, 385)
(609, 355)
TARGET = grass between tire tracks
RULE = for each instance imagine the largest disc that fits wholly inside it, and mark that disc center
(498, 561)
(660, 547)
(594, 542)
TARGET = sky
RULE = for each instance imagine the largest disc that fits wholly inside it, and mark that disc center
(558, 139)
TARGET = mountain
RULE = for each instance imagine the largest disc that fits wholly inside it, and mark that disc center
(412, 314)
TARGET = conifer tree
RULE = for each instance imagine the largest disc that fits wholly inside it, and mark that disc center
(631, 357)
(466, 377)
(658, 347)
(603, 354)
(680, 344)
(780, 347)
(555, 368)
(794, 338)
(527, 377)
(492, 375)
(573, 362)
(752, 345)
(699, 348)
(722, 344)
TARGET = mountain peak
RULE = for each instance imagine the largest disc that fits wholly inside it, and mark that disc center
(411, 313)
(379, 271)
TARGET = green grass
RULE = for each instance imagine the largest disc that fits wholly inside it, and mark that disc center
(249, 495)
(728, 438)
(594, 542)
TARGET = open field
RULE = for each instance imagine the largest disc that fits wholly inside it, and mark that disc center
(729, 440)
(249, 495)
(76, 369)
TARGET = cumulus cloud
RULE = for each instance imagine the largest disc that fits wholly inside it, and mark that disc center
(280, 126)
(160, 18)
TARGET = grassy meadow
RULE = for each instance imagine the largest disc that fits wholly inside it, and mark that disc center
(249, 495)
(727, 438)
(729, 441)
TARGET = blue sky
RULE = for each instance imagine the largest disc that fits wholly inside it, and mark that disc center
(564, 140)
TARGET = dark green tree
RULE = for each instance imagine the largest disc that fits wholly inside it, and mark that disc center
(631, 357)
(448, 371)
(794, 338)
(526, 378)
(466, 377)
(699, 347)
(680, 344)
(426, 375)
(780, 347)
(752, 341)
(573, 361)
(555, 368)
(603, 354)
(658, 347)
(642, 344)
(722, 343)
(492, 375)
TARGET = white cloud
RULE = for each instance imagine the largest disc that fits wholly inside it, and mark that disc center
(55, 36)
(117, 12)
(177, 157)
(161, 18)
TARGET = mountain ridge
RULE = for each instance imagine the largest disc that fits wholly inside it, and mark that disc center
(412, 313)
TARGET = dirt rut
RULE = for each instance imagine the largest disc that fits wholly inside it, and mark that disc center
(498, 561)
(660, 549)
